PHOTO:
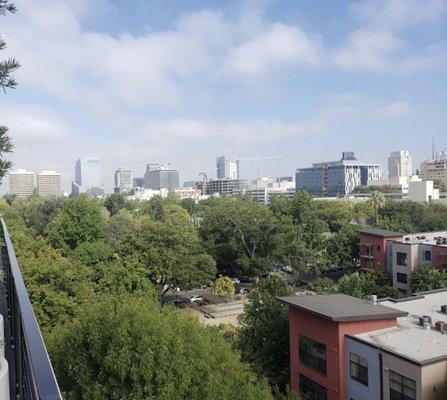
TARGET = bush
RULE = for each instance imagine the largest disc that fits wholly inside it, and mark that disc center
(223, 286)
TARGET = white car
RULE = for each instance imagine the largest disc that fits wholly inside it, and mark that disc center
(288, 269)
(194, 298)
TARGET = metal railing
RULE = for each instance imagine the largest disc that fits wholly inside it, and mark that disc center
(31, 373)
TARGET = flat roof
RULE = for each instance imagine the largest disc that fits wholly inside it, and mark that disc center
(408, 339)
(379, 232)
(340, 307)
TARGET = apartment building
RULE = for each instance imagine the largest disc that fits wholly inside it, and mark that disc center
(49, 184)
(433, 170)
(347, 348)
(21, 183)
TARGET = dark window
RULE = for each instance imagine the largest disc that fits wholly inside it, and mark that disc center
(378, 248)
(427, 255)
(402, 259)
(402, 278)
(359, 368)
(312, 353)
(401, 387)
(311, 390)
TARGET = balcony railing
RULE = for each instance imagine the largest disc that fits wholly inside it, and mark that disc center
(31, 375)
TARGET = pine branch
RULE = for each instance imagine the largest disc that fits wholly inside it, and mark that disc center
(6, 68)
(6, 6)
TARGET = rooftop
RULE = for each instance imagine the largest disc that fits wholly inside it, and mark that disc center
(408, 338)
(340, 307)
(379, 232)
(430, 238)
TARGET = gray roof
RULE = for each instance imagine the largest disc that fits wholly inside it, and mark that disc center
(379, 232)
(340, 307)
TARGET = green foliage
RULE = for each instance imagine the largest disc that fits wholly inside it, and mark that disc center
(93, 254)
(367, 284)
(128, 348)
(116, 202)
(324, 286)
(343, 247)
(264, 340)
(80, 220)
(223, 286)
(441, 185)
(428, 278)
(377, 201)
(336, 214)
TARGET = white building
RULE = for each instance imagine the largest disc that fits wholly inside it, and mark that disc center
(21, 183)
(49, 183)
(226, 169)
(399, 166)
(422, 191)
(123, 180)
(88, 177)
(187, 193)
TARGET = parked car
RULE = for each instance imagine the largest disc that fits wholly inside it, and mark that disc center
(194, 298)
(287, 268)
(244, 290)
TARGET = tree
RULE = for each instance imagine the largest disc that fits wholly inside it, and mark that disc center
(377, 201)
(223, 286)
(80, 220)
(324, 286)
(93, 254)
(441, 185)
(115, 202)
(264, 339)
(129, 348)
(343, 247)
(428, 278)
(336, 214)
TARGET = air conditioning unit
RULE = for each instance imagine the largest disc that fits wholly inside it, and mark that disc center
(425, 321)
(444, 309)
(441, 326)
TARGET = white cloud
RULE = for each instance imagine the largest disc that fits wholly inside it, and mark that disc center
(397, 109)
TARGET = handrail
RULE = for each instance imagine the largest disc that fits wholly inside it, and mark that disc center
(33, 375)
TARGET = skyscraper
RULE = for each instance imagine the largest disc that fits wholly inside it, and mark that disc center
(88, 177)
(225, 168)
(160, 176)
(123, 180)
(49, 183)
(399, 167)
(21, 183)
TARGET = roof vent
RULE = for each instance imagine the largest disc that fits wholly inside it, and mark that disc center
(441, 326)
(425, 321)
(374, 299)
(444, 309)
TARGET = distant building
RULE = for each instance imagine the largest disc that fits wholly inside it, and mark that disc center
(422, 191)
(337, 178)
(226, 169)
(123, 180)
(49, 184)
(223, 186)
(160, 176)
(187, 193)
(88, 177)
(434, 170)
(21, 183)
(138, 183)
(190, 184)
(399, 166)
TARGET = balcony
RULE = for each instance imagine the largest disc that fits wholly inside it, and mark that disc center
(25, 361)
(366, 251)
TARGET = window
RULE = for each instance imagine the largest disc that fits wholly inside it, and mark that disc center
(402, 259)
(311, 390)
(359, 368)
(402, 278)
(378, 248)
(427, 255)
(312, 354)
(401, 387)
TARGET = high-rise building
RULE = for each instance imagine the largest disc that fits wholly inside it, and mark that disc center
(138, 183)
(223, 186)
(434, 170)
(160, 176)
(226, 169)
(21, 183)
(337, 178)
(88, 177)
(399, 167)
(49, 183)
(123, 180)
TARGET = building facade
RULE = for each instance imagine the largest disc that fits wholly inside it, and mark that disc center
(226, 169)
(347, 348)
(160, 176)
(227, 187)
(123, 180)
(138, 183)
(21, 183)
(337, 178)
(88, 177)
(399, 166)
(434, 170)
(422, 191)
(49, 184)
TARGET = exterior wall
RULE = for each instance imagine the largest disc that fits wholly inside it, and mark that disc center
(422, 249)
(379, 245)
(21, 183)
(434, 170)
(440, 256)
(356, 390)
(310, 179)
(332, 334)
(412, 252)
(403, 367)
(434, 381)
(49, 184)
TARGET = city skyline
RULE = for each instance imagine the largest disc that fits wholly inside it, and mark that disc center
(363, 75)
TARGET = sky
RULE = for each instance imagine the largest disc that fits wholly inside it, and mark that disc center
(181, 82)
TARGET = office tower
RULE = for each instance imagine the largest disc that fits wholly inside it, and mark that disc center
(88, 177)
(337, 178)
(138, 183)
(21, 183)
(49, 183)
(226, 169)
(160, 176)
(434, 170)
(399, 167)
(123, 180)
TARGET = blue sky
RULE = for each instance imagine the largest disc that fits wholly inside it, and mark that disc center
(138, 82)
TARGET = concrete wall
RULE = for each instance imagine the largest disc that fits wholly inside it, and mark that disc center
(434, 381)
(354, 389)
(412, 251)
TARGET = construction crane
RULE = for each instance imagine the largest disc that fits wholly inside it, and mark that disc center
(251, 158)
